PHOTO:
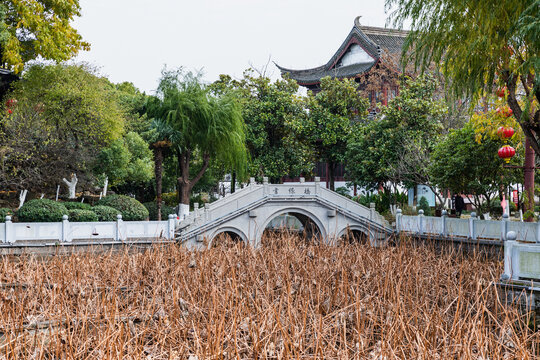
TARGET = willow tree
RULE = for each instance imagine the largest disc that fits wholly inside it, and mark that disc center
(207, 127)
(482, 46)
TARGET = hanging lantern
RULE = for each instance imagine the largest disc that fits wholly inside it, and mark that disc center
(508, 132)
(501, 92)
(500, 131)
(506, 153)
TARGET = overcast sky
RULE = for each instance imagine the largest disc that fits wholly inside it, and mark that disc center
(132, 40)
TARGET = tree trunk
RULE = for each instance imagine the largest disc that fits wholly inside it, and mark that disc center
(71, 185)
(233, 182)
(158, 170)
(331, 176)
(185, 184)
(528, 173)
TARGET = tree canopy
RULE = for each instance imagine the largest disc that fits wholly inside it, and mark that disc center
(32, 28)
(269, 108)
(480, 43)
(59, 117)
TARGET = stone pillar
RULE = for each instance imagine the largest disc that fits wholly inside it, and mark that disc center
(504, 226)
(252, 181)
(317, 185)
(420, 221)
(510, 237)
(371, 211)
(171, 226)
(119, 228)
(302, 180)
(266, 186)
(9, 235)
(443, 222)
(472, 230)
(65, 229)
(398, 220)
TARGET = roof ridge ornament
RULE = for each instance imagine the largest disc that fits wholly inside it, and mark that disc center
(357, 21)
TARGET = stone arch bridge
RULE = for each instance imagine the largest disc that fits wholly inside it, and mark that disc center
(247, 213)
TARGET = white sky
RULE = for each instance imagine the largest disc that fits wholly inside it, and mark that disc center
(132, 40)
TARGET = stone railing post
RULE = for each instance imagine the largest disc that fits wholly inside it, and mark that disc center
(504, 226)
(443, 222)
(171, 226)
(65, 229)
(472, 230)
(420, 221)
(207, 216)
(538, 232)
(266, 186)
(317, 185)
(398, 220)
(371, 211)
(9, 236)
(510, 237)
(119, 228)
(252, 181)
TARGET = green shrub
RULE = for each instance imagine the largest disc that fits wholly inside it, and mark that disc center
(424, 205)
(41, 210)
(105, 213)
(71, 205)
(152, 210)
(170, 198)
(80, 215)
(131, 209)
(5, 212)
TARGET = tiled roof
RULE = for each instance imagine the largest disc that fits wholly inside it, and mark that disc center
(373, 40)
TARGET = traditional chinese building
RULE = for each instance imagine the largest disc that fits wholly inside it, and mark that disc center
(364, 51)
(370, 55)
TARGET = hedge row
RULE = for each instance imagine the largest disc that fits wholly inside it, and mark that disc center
(107, 209)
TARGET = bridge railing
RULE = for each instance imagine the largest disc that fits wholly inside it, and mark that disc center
(472, 228)
(66, 231)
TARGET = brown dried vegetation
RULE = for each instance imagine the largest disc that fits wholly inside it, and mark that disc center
(284, 300)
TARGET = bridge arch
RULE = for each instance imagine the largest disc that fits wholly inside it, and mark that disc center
(301, 214)
(231, 231)
(366, 234)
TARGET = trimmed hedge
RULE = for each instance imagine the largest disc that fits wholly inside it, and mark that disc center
(41, 210)
(5, 212)
(71, 205)
(80, 215)
(152, 210)
(131, 209)
(105, 213)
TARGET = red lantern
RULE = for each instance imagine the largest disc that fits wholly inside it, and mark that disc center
(501, 92)
(11, 102)
(508, 132)
(10, 112)
(500, 131)
(506, 153)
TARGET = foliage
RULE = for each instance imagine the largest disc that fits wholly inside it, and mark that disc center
(152, 210)
(269, 108)
(5, 212)
(41, 210)
(343, 191)
(462, 165)
(39, 28)
(105, 213)
(480, 43)
(170, 199)
(206, 126)
(131, 209)
(382, 200)
(424, 205)
(395, 147)
(127, 159)
(333, 112)
(80, 215)
(72, 205)
(62, 116)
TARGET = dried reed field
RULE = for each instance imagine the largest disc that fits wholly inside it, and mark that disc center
(280, 301)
